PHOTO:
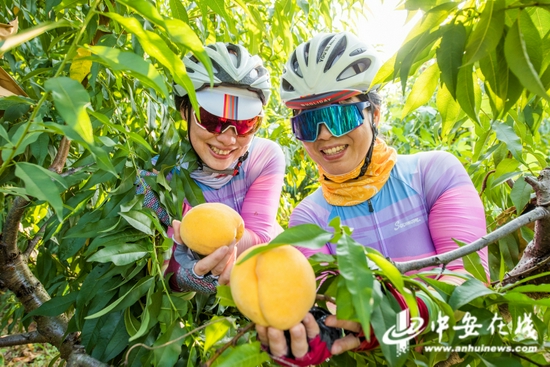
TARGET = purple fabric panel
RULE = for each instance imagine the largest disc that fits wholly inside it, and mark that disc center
(255, 192)
(441, 171)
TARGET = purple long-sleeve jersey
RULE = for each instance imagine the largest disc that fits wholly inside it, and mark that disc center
(428, 201)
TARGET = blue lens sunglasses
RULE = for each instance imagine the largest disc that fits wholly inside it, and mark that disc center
(339, 119)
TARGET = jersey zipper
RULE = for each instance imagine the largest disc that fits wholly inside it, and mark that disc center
(377, 229)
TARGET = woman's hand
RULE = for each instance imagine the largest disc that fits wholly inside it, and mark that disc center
(219, 263)
(300, 334)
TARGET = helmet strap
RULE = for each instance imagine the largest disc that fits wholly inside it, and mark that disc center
(371, 149)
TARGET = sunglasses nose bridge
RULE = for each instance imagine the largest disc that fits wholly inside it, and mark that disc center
(228, 127)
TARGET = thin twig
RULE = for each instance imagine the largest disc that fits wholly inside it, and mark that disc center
(510, 227)
(232, 342)
(61, 156)
(37, 237)
(322, 297)
(22, 339)
(529, 360)
(484, 184)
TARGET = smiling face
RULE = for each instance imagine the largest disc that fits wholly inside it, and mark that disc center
(217, 151)
(340, 155)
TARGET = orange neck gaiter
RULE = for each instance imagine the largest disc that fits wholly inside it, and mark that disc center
(345, 190)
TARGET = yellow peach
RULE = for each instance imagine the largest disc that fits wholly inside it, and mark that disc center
(209, 226)
(274, 288)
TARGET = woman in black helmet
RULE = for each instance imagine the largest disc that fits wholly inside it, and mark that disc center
(235, 167)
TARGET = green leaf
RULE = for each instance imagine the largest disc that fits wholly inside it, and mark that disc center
(139, 221)
(146, 9)
(544, 288)
(449, 54)
(467, 292)
(216, 331)
(244, 355)
(26, 35)
(304, 235)
(359, 279)
(169, 350)
(449, 109)
(153, 44)
(129, 62)
(472, 263)
(120, 255)
(521, 194)
(487, 32)
(223, 293)
(499, 361)
(55, 306)
(520, 63)
(507, 134)
(71, 100)
(468, 93)
(507, 168)
(128, 299)
(178, 11)
(422, 90)
(39, 182)
(193, 192)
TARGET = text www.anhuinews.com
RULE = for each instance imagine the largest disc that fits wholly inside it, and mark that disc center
(481, 348)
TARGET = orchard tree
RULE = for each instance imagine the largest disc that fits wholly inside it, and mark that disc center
(81, 256)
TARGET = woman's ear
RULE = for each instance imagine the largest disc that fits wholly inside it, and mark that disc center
(376, 116)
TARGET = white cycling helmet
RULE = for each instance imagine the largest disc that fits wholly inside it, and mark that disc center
(329, 68)
(233, 66)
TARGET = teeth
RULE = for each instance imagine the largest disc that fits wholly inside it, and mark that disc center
(334, 150)
(219, 151)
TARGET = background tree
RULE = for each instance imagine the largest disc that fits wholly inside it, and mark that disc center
(80, 256)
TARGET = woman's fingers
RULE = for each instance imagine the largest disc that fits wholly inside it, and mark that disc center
(311, 325)
(176, 226)
(298, 340)
(262, 335)
(208, 263)
(277, 342)
(226, 273)
(352, 326)
(344, 344)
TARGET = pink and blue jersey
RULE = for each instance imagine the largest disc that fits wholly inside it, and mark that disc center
(428, 200)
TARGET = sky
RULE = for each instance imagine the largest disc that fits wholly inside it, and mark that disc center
(385, 27)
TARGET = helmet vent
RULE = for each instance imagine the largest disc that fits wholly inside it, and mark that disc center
(306, 53)
(295, 65)
(234, 54)
(354, 69)
(287, 86)
(321, 50)
(336, 53)
(357, 51)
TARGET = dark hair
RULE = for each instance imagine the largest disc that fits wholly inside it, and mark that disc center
(183, 103)
(373, 97)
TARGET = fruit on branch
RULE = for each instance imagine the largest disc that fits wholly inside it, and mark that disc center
(275, 287)
(209, 226)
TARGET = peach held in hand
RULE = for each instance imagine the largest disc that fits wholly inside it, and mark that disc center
(209, 226)
(274, 288)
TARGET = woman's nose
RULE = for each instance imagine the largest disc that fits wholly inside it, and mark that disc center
(229, 136)
(324, 133)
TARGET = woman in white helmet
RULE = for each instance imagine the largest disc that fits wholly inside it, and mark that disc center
(405, 206)
(235, 167)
